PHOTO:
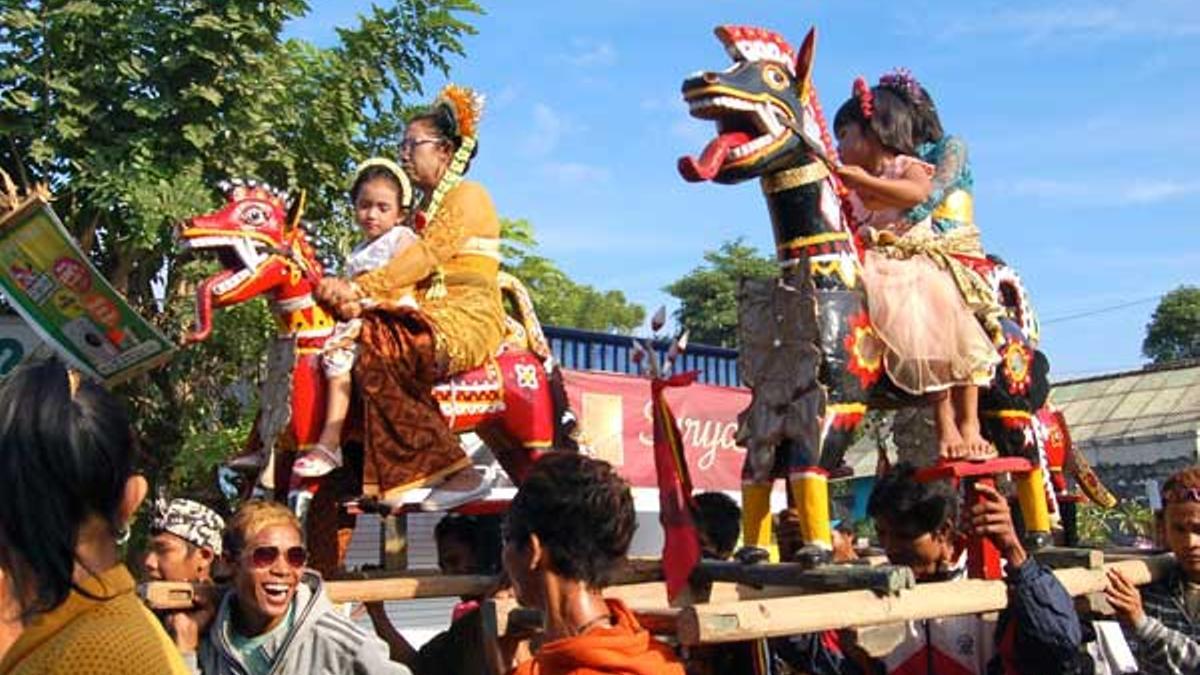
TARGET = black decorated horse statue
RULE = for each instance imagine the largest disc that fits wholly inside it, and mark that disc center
(808, 348)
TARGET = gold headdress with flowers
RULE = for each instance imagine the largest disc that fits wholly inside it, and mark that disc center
(466, 108)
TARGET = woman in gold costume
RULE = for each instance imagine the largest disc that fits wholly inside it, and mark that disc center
(457, 321)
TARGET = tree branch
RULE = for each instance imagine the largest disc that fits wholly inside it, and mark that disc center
(16, 153)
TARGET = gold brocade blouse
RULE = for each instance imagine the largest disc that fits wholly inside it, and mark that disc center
(463, 243)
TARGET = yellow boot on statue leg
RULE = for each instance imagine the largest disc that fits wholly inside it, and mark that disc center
(1031, 495)
(810, 494)
(756, 524)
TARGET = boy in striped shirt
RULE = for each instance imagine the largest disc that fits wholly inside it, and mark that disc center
(1163, 619)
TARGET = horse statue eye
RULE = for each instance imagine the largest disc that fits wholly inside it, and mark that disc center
(774, 77)
(254, 216)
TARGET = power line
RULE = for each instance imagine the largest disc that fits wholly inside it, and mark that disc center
(1102, 310)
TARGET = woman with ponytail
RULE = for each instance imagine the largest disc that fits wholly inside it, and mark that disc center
(67, 454)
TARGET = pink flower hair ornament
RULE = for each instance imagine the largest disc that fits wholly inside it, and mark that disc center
(902, 80)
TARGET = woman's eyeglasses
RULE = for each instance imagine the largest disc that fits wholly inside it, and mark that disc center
(265, 556)
(410, 144)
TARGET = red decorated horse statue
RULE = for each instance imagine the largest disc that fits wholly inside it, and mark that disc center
(508, 402)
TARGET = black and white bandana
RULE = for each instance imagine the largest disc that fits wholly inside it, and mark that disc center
(192, 521)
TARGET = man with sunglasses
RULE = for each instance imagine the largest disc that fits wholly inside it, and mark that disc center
(276, 617)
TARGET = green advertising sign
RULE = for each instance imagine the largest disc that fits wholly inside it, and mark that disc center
(70, 305)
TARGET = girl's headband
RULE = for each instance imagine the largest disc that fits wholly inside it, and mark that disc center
(406, 190)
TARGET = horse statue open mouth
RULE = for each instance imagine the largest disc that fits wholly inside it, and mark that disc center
(259, 248)
(807, 346)
(510, 401)
(757, 111)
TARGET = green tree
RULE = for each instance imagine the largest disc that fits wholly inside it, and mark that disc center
(558, 299)
(1174, 330)
(708, 294)
(132, 110)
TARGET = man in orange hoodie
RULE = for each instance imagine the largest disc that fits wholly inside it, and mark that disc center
(568, 529)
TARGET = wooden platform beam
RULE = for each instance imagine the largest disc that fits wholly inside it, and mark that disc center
(373, 585)
(889, 579)
(749, 620)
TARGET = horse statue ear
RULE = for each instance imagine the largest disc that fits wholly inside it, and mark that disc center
(296, 210)
(804, 62)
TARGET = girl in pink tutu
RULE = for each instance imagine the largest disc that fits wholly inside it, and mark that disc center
(935, 345)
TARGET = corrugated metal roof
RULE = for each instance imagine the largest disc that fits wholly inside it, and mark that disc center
(1156, 401)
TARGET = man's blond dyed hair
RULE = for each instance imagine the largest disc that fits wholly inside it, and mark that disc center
(253, 517)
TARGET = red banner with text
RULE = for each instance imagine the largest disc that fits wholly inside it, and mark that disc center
(616, 414)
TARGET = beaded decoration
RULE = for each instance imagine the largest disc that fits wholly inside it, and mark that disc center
(866, 100)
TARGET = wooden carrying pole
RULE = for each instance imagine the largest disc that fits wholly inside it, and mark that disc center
(749, 620)
(379, 585)
(408, 588)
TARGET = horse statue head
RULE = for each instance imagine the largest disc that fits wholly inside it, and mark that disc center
(257, 238)
(765, 108)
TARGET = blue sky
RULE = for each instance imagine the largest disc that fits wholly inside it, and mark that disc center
(1081, 119)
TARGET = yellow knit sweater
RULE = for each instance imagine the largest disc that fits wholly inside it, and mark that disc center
(116, 635)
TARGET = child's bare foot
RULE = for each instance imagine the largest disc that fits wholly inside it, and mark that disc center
(974, 446)
(950, 444)
(949, 439)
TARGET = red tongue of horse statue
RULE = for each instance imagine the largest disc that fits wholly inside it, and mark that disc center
(706, 167)
(204, 303)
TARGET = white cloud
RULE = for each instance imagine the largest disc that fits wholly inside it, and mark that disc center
(1142, 192)
(1084, 21)
(1133, 191)
(548, 129)
(504, 97)
(576, 173)
(590, 54)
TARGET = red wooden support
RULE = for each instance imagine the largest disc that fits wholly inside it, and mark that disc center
(983, 558)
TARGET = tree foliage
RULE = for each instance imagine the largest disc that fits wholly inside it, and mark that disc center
(132, 110)
(1174, 330)
(708, 294)
(558, 299)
